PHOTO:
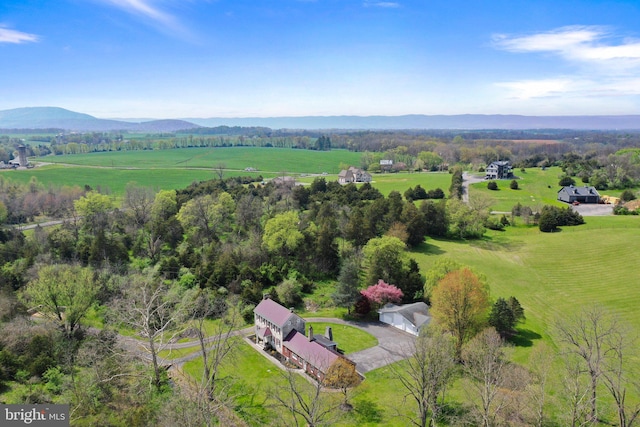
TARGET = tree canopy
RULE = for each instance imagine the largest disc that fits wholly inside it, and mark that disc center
(459, 304)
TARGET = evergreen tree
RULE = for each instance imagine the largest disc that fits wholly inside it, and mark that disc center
(347, 292)
(501, 317)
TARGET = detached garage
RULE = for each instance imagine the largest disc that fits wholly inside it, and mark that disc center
(572, 194)
(407, 317)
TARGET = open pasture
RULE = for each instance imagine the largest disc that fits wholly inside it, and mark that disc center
(387, 182)
(274, 160)
(554, 275)
(111, 180)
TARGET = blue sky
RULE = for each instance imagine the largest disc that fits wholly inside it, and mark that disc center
(259, 58)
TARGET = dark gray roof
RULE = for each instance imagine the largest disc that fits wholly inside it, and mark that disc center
(580, 191)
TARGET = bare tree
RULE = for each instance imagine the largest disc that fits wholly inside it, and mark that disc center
(587, 336)
(576, 393)
(486, 364)
(305, 399)
(427, 372)
(541, 363)
(219, 169)
(146, 307)
(216, 345)
(138, 202)
(618, 374)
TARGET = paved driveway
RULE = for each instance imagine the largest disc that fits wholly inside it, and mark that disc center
(393, 344)
(586, 209)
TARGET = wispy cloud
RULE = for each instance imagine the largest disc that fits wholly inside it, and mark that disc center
(604, 64)
(152, 12)
(12, 36)
(527, 89)
(575, 43)
(384, 4)
(144, 8)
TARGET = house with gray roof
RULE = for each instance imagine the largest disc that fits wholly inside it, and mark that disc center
(573, 194)
(353, 174)
(407, 317)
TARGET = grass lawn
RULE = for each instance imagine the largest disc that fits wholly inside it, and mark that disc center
(179, 352)
(375, 400)
(536, 187)
(387, 182)
(349, 339)
(253, 376)
(554, 275)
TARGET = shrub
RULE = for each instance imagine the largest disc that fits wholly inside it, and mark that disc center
(513, 184)
(565, 181)
(552, 217)
(435, 194)
(492, 185)
(627, 195)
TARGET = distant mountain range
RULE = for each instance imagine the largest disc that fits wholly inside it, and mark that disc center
(420, 121)
(59, 118)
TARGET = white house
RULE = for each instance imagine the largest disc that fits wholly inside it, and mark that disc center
(407, 317)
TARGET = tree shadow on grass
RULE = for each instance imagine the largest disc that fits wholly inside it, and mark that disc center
(496, 243)
(427, 249)
(367, 411)
(524, 338)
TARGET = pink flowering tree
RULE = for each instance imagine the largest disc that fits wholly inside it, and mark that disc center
(382, 293)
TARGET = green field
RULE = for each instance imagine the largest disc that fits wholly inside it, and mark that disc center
(110, 180)
(274, 160)
(555, 274)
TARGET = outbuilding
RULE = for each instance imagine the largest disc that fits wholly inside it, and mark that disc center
(573, 194)
(407, 317)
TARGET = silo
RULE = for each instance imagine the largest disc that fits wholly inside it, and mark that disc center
(22, 156)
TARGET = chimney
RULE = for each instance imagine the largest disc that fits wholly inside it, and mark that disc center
(310, 333)
(329, 333)
(291, 309)
(266, 296)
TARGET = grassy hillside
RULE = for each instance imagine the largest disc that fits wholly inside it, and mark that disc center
(555, 274)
